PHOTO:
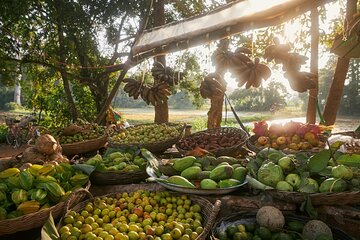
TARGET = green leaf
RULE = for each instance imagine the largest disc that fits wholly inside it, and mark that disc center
(49, 231)
(352, 160)
(85, 168)
(336, 145)
(319, 161)
(307, 207)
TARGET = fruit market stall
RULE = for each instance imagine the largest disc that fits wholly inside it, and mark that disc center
(284, 182)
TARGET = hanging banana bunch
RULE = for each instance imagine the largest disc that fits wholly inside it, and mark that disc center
(276, 51)
(251, 73)
(132, 87)
(301, 81)
(166, 74)
(293, 62)
(212, 85)
(156, 94)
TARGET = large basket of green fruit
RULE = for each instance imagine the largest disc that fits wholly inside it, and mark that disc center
(141, 213)
(218, 141)
(28, 196)
(154, 137)
(206, 175)
(77, 139)
(290, 137)
(270, 223)
(118, 166)
(328, 177)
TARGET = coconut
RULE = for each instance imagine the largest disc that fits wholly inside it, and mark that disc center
(270, 217)
(31, 155)
(57, 157)
(316, 228)
(25, 166)
(46, 144)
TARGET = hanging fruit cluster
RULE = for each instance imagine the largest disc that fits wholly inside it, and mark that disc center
(166, 74)
(299, 81)
(151, 95)
(213, 85)
(245, 70)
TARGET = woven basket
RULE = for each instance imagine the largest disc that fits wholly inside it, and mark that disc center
(209, 211)
(250, 217)
(84, 146)
(37, 219)
(209, 135)
(158, 147)
(117, 177)
(341, 198)
(250, 144)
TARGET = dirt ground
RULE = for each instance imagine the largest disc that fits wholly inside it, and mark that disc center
(7, 151)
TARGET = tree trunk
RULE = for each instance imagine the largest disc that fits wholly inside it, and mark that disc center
(342, 67)
(215, 112)
(17, 91)
(161, 109)
(62, 58)
(313, 93)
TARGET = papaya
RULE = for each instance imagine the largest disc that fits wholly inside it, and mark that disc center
(239, 174)
(168, 170)
(229, 160)
(221, 172)
(223, 163)
(207, 160)
(226, 183)
(208, 184)
(181, 181)
(236, 165)
(333, 185)
(180, 164)
(203, 175)
(209, 168)
(191, 173)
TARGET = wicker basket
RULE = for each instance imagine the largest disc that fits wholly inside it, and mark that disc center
(340, 198)
(209, 211)
(250, 217)
(250, 144)
(158, 147)
(84, 146)
(209, 134)
(117, 177)
(37, 219)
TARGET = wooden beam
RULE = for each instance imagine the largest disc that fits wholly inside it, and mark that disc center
(314, 62)
(260, 20)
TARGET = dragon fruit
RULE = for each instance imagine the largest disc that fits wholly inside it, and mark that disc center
(260, 128)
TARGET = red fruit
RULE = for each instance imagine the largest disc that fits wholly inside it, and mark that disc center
(281, 140)
(276, 129)
(260, 128)
(263, 140)
(139, 212)
(291, 127)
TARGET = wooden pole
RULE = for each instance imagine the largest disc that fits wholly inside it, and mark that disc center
(161, 109)
(313, 93)
(342, 67)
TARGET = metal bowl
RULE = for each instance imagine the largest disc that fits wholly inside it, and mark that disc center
(219, 191)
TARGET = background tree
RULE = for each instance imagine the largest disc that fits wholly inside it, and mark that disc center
(259, 99)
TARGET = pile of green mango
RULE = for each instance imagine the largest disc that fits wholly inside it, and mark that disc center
(118, 160)
(308, 174)
(206, 172)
